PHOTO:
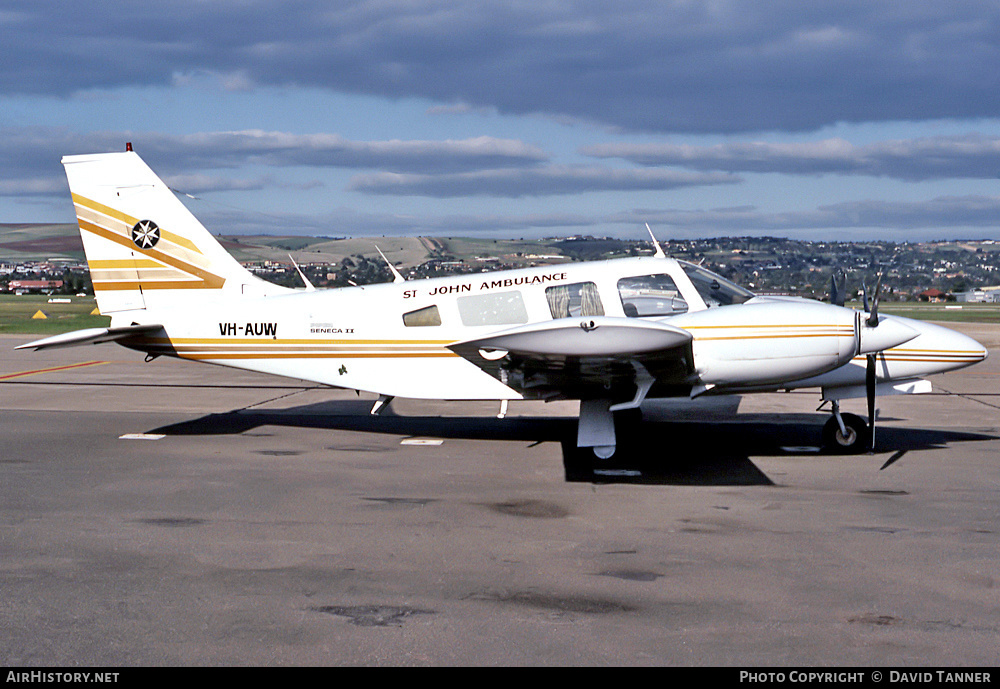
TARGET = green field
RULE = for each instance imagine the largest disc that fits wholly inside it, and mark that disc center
(16, 315)
(955, 313)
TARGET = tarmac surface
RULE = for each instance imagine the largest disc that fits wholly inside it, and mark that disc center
(169, 513)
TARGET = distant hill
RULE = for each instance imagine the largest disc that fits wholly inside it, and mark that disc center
(769, 265)
(36, 242)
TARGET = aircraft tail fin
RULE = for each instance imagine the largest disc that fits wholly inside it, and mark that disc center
(144, 247)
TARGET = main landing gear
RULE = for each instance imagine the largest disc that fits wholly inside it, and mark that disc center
(846, 433)
(605, 431)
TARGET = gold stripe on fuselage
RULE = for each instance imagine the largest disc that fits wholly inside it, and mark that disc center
(752, 332)
(772, 336)
(223, 348)
(930, 356)
(317, 341)
(762, 326)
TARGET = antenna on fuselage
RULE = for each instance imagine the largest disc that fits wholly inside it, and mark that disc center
(309, 285)
(396, 277)
(659, 250)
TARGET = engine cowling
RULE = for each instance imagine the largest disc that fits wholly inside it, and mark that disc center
(769, 342)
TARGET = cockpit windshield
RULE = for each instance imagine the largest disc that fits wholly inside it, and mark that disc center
(714, 289)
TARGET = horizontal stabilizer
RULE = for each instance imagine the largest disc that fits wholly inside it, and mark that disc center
(90, 336)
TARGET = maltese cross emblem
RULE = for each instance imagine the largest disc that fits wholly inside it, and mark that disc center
(145, 234)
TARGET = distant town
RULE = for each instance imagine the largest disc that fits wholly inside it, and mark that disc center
(961, 271)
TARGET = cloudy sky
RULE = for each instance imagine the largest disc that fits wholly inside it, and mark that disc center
(820, 120)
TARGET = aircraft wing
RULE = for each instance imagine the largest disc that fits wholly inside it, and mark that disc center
(90, 336)
(588, 357)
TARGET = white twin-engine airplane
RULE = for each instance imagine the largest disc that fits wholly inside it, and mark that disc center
(610, 334)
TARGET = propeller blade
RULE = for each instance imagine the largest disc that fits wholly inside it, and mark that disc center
(873, 316)
(870, 393)
(864, 297)
(836, 292)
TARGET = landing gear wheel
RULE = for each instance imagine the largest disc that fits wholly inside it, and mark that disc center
(856, 439)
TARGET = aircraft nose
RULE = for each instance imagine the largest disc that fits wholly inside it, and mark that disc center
(976, 351)
(958, 348)
(937, 349)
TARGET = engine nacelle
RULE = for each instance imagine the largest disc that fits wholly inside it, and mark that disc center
(769, 342)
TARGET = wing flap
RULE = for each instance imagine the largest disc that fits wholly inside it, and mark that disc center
(90, 336)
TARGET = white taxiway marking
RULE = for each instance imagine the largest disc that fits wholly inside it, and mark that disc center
(617, 472)
(421, 441)
(141, 436)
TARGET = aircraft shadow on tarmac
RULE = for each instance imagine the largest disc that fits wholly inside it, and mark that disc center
(682, 452)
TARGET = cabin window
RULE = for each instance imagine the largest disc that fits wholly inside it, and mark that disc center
(578, 299)
(715, 289)
(498, 308)
(650, 295)
(428, 315)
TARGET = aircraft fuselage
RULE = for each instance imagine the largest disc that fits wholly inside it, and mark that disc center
(392, 339)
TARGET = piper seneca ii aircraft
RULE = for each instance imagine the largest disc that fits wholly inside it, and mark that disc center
(610, 334)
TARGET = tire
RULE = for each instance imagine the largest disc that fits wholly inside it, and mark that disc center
(857, 435)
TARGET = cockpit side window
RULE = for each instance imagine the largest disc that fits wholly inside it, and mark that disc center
(714, 289)
(650, 295)
(577, 299)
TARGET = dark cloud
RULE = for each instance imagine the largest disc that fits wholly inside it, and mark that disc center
(232, 149)
(942, 214)
(29, 157)
(200, 184)
(347, 222)
(970, 157)
(482, 166)
(36, 151)
(946, 216)
(208, 150)
(33, 186)
(698, 66)
(538, 181)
